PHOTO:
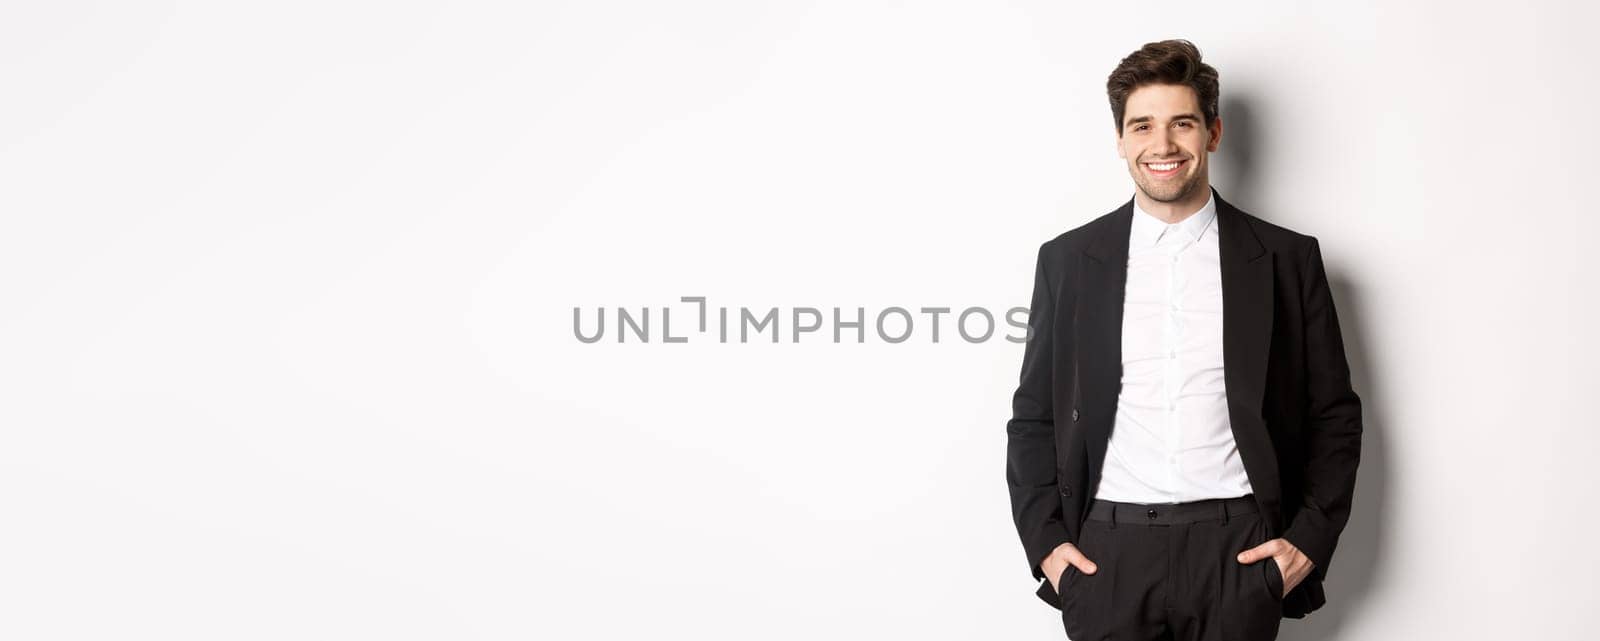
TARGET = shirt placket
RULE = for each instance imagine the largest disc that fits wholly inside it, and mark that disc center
(1172, 338)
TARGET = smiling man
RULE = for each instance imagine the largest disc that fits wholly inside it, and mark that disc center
(1184, 439)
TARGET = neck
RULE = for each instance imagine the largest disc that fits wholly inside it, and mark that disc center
(1177, 210)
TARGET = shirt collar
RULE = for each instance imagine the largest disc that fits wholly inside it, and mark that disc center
(1148, 230)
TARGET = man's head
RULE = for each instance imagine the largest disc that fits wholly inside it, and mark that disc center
(1164, 101)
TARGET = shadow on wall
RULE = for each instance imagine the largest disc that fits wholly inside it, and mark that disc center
(1359, 555)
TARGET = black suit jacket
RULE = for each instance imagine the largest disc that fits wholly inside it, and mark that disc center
(1294, 416)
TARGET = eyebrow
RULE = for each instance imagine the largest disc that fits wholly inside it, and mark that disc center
(1187, 116)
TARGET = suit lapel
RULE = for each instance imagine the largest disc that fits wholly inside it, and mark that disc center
(1247, 291)
(1247, 322)
(1246, 309)
(1098, 338)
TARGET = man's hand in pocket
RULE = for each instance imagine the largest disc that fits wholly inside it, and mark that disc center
(1066, 554)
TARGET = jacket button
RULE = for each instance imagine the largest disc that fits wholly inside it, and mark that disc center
(1066, 490)
(1074, 414)
(1151, 514)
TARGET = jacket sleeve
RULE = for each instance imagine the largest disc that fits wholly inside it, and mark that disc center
(1030, 434)
(1332, 427)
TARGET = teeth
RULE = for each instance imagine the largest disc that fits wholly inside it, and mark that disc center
(1166, 166)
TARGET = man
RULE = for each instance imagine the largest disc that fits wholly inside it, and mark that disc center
(1183, 447)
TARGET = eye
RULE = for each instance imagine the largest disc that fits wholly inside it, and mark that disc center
(1140, 127)
(1185, 124)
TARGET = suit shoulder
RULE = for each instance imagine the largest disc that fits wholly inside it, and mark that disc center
(1075, 239)
(1277, 237)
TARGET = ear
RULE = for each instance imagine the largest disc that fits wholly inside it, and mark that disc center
(1121, 153)
(1216, 134)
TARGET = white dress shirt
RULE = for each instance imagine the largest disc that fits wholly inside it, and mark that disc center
(1171, 441)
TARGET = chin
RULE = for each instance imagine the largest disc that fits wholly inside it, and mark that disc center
(1163, 195)
(1171, 194)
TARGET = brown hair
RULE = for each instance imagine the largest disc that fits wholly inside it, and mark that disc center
(1169, 62)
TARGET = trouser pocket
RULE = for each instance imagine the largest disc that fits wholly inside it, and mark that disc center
(1274, 577)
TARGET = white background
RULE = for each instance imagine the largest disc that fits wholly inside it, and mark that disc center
(286, 298)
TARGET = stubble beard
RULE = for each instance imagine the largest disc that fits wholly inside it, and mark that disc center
(1165, 192)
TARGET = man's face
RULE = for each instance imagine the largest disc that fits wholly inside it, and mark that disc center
(1165, 140)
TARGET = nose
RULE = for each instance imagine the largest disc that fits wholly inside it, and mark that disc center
(1165, 144)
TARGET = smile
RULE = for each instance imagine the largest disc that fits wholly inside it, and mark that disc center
(1164, 169)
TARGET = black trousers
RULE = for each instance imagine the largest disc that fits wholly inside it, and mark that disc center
(1170, 571)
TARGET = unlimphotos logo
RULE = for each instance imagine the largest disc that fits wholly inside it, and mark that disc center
(890, 325)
